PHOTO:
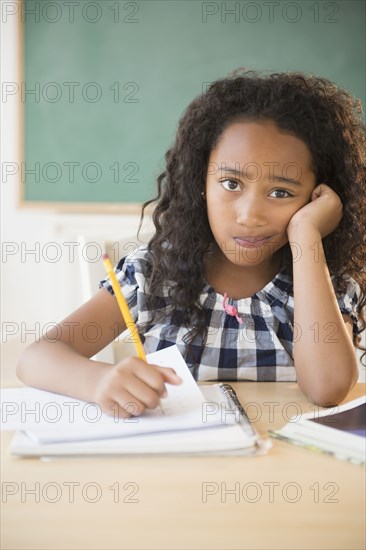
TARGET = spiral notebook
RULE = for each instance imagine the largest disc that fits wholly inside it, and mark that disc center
(206, 419)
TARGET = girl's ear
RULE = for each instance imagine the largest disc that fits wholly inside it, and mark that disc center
(203, 195)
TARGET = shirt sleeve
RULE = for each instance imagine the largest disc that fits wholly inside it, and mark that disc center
(348, 303)
(128, 273)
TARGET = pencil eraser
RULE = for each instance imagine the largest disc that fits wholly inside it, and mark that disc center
(104, 256)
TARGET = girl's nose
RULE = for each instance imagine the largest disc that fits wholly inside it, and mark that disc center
(251, 212)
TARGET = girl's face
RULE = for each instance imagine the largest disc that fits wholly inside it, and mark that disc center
(258, 176)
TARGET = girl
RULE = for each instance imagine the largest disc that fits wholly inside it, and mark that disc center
(256, 267)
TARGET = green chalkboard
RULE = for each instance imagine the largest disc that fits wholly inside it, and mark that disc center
(106, 82)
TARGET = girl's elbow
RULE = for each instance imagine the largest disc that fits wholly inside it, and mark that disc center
(331, 387)
(330, 396)
(327, 399)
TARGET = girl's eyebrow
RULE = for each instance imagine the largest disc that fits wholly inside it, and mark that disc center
(273, 177)
(286, 180)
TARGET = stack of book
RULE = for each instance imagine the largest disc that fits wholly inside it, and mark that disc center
(340, 431)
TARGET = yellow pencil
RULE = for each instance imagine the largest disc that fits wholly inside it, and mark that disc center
(125, 311)
(124, 307)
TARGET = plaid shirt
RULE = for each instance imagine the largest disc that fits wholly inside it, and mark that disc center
(259, 349)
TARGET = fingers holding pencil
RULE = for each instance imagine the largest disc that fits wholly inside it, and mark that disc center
(132, 386)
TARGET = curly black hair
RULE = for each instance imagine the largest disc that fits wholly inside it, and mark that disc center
(326, 118)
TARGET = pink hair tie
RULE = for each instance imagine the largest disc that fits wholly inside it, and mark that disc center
(231, 310)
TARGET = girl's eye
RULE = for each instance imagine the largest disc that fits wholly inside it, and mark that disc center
(281, 194)
(230, 185)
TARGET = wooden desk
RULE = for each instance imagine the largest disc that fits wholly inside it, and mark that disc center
(291, 498)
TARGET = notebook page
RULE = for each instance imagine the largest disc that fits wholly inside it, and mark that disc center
(50, 417)
(182, 398)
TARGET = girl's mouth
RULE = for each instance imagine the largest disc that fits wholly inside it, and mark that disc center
(250, 241)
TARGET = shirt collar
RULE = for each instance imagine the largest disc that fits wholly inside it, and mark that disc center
(277, 290)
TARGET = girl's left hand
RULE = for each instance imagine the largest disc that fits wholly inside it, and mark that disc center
(323, 213)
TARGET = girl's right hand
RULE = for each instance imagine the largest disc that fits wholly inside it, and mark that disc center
(132, 386)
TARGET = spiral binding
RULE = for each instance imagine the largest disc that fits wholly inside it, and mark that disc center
(244, 422)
